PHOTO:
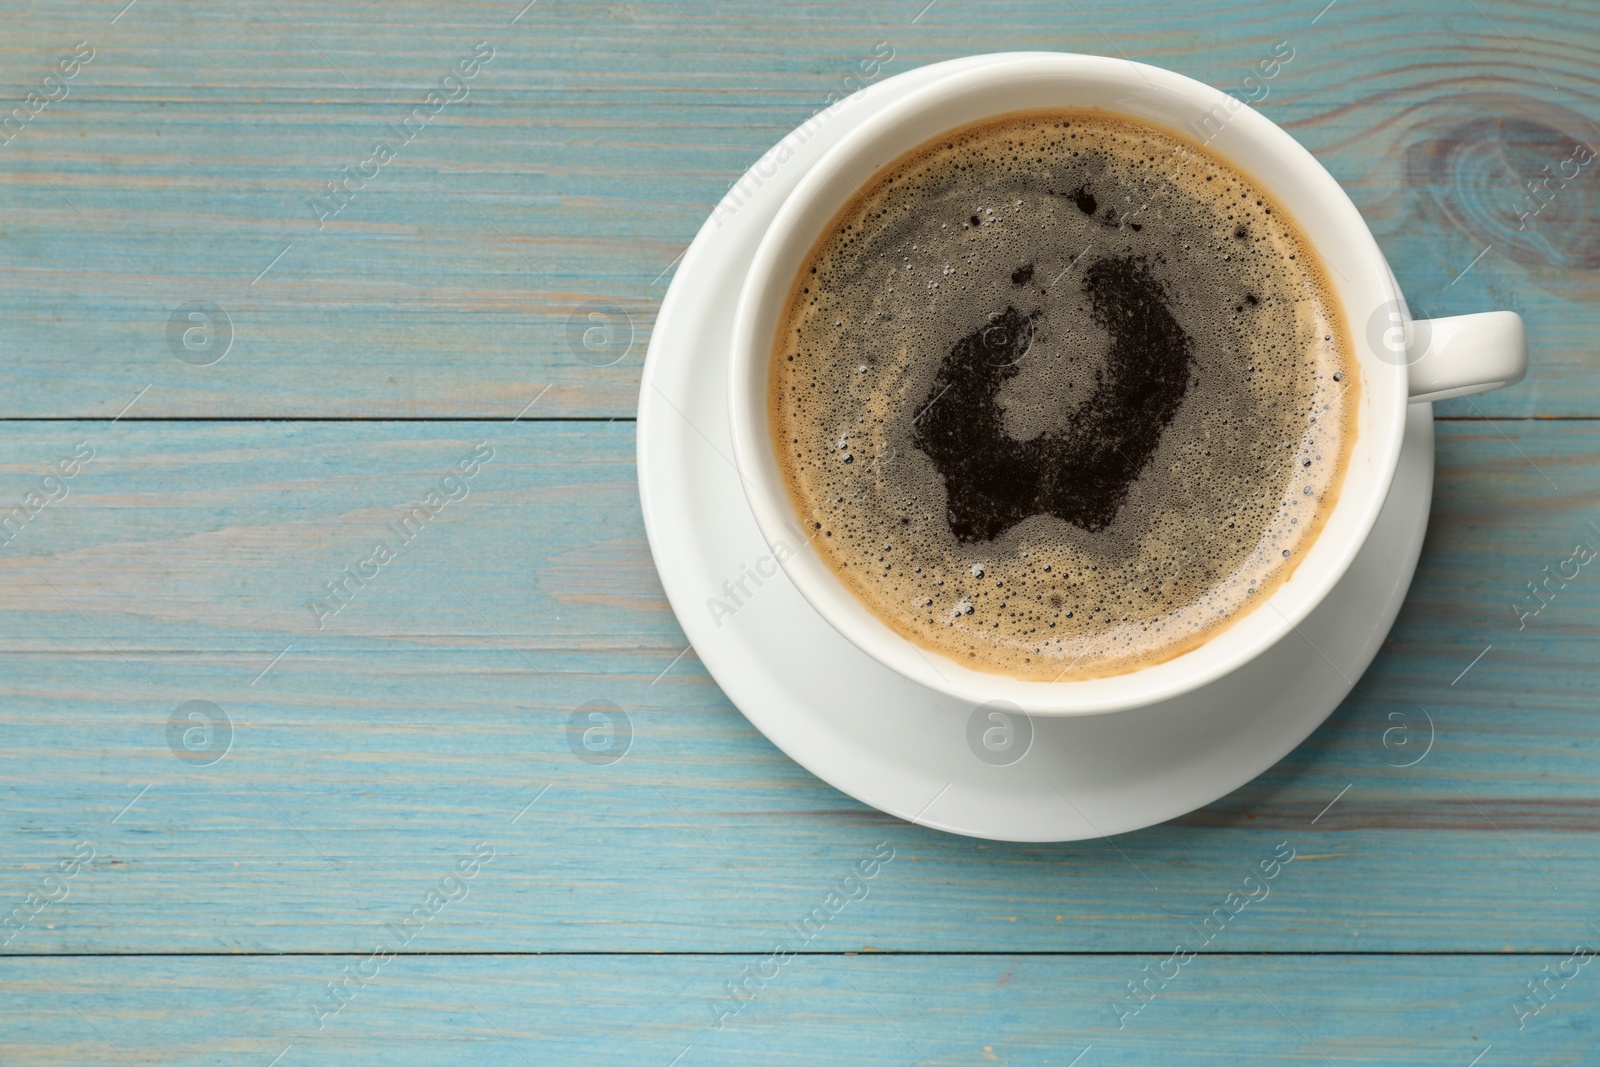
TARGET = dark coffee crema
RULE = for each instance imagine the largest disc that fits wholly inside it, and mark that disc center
(1062, 395)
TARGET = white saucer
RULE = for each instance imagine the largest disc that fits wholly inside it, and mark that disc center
(886, 741)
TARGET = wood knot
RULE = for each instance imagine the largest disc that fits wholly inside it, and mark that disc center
(1526, 185)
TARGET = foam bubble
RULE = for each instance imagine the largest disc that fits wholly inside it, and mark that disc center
(1062, 395)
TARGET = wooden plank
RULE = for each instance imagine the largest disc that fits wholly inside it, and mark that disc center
(211, 536)
(375, 754)
(589, 150)
(356, 781)
(514, 1011)
(369, 757)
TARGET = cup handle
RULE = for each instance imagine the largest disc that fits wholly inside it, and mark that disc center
(1466, 354)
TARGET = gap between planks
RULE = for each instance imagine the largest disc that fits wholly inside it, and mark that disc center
(952, 953)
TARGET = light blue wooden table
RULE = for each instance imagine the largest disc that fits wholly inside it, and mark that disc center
(400, 775)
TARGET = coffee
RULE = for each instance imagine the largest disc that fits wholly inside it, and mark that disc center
(1062, 394)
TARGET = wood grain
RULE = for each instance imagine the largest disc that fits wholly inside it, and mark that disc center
(594, 144)
(870, 1009)
(434, 707)
(1443, 819)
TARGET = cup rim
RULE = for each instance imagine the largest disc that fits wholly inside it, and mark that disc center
(1379, 425)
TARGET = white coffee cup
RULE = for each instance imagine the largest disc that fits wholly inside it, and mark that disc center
(1402, 361)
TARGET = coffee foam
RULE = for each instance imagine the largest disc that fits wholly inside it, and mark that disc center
(1061, 395)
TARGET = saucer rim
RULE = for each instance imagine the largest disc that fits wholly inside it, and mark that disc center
(742, 679)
